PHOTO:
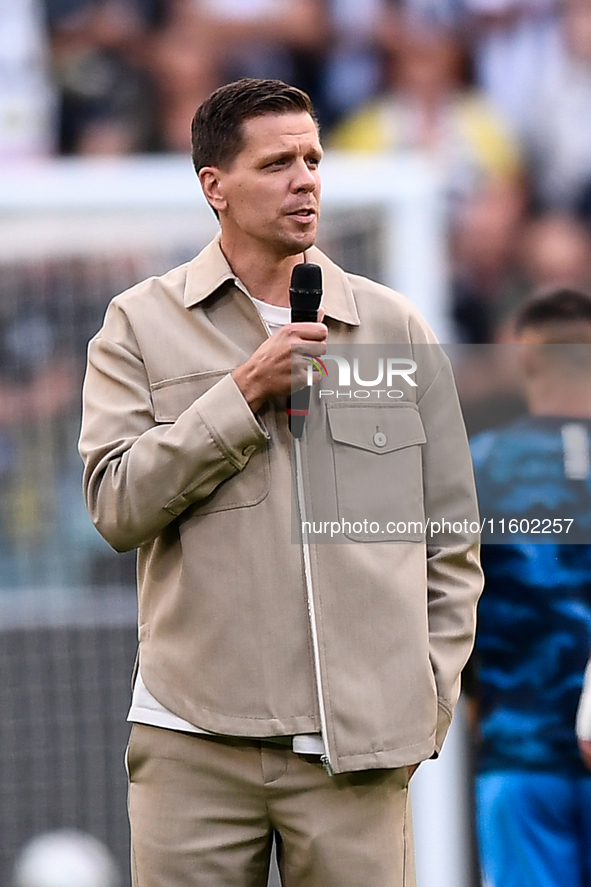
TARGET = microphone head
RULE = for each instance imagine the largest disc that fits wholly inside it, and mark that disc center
(305, 290)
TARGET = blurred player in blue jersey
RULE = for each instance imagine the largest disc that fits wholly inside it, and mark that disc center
(533, 791)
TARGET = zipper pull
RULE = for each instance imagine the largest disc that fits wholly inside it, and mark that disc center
(326, 764)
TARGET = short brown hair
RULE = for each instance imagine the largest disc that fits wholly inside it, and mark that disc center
(561, 321)
(217, 134)
(557, 312)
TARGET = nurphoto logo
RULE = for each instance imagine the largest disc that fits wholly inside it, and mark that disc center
(386, 372)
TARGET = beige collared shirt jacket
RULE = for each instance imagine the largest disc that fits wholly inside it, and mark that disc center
(178, 466)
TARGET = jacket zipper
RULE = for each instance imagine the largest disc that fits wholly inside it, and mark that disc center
(325, 759)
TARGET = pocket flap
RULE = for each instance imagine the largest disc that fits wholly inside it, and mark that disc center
(379, 428)
(171, 397)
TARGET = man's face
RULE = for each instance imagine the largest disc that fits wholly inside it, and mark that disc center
(269, 197)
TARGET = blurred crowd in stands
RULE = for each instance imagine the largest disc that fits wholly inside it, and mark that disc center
(496, 92)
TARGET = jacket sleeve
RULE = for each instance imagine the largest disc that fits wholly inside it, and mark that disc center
(454, 575)
(139, 474)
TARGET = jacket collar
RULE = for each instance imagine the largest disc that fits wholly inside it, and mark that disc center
(210, 269)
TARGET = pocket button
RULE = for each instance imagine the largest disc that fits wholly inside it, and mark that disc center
(380, 439)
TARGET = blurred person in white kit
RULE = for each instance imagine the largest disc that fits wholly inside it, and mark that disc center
(282, 689)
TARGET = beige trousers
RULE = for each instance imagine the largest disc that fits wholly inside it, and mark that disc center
(203, 813)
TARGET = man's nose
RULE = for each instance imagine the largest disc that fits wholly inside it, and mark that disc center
(305, 179)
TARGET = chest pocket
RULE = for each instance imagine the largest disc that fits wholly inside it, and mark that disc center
(378, 470)
(248, 486)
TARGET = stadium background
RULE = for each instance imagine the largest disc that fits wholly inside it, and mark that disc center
(97, 192)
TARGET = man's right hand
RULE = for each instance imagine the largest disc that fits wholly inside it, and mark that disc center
(278, 366)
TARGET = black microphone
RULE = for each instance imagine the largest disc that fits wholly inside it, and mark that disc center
(305, 295)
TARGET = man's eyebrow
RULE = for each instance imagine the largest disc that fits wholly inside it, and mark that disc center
(287, 153)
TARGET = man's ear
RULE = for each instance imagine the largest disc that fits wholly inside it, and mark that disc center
(210, 178)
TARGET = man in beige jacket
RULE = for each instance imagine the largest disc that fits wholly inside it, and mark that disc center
(285, 685)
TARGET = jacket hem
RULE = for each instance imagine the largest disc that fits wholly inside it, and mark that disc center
(387, 759)
(232, 725)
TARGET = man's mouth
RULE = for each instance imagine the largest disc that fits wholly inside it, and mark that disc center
(303, 213)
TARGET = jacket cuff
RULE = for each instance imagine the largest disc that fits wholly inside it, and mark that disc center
(231, 423)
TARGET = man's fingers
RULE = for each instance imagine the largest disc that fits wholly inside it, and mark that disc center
(314, 332)
(308, 349)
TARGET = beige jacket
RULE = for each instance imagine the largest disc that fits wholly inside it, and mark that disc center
(243, 629)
